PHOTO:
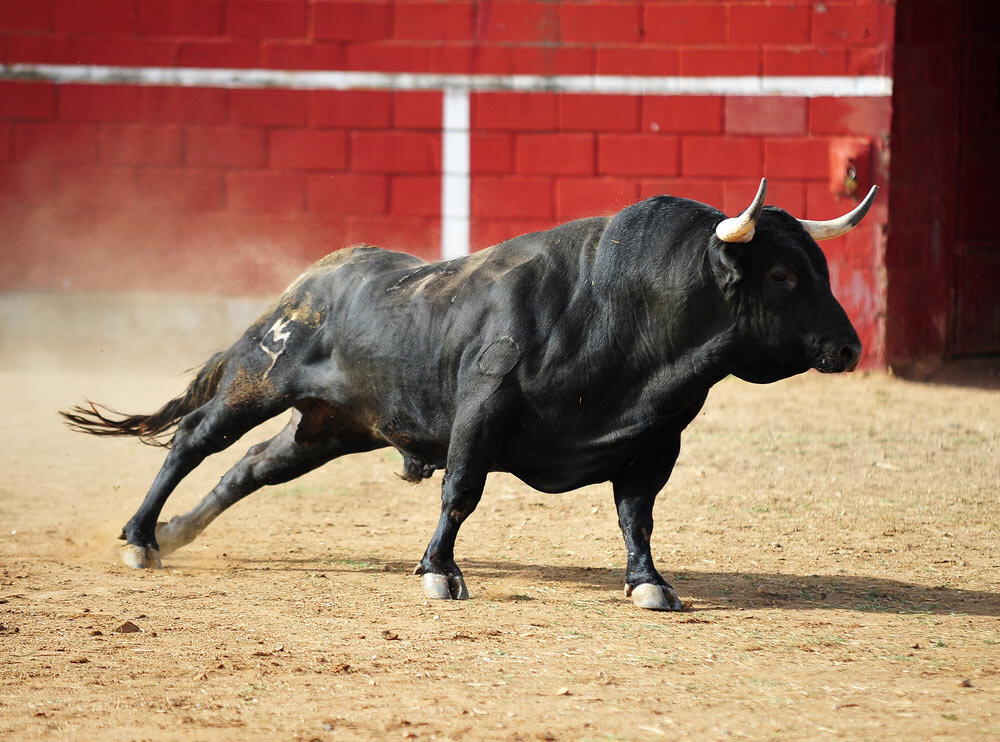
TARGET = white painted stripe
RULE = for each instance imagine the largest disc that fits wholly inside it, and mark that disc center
(455, 174)
(866, 86)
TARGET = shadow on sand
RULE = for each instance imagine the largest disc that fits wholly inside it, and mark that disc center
(709, 590)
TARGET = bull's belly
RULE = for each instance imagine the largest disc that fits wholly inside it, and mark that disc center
(560, 465)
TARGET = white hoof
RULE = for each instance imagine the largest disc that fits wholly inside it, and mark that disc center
(655, 598)
(138, 557)
(442, 587)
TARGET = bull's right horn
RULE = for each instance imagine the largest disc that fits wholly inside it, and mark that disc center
(827, 230)
(741, 228)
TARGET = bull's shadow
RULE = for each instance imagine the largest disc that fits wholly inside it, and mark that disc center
(709, 590)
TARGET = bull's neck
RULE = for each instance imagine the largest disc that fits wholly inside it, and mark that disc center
(665, 312)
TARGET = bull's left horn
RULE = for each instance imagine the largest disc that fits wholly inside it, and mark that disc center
(741, 228)
(831, 228)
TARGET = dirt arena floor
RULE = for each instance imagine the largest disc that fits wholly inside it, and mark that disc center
(836, 538)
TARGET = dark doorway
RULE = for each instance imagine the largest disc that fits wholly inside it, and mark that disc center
(943, 247)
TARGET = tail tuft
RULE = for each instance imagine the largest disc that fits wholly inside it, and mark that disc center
(156, 429)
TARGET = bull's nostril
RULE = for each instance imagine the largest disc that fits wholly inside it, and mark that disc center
(850, 355)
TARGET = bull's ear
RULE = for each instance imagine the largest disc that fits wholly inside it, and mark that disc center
(727, 263)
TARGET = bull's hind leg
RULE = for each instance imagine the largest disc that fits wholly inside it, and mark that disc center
(211, 428)
(296, 450)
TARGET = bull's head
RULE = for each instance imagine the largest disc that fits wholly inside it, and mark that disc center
(776, 278)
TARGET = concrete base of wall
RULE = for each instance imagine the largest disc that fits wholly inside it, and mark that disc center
(120, 330)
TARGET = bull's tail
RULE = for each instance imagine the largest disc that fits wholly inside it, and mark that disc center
(151, 429)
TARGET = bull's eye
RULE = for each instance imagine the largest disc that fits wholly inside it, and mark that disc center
(782, 277)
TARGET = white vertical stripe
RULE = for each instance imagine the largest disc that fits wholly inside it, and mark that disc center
(455, 173)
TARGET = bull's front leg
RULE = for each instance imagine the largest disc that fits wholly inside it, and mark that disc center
(476, 434)
(635, 493)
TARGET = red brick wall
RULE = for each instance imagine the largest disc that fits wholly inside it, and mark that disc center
(141, 187)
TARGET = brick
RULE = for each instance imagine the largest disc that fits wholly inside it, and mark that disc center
(185, 105)
(224, 147)
(417, 110)
(491, 153)
(765, 115)
(488, 232)
(769, 24)
(64, 143)
(307, 149)
(553, 60)
(395, 152)
(705, 190)
(137, 144)
(25, 16)
(821, 203)
(266, 19)
(797, 158)
(514, 197)
(416, 235)
(863, 61)
(265, 191)
(851, 25)
(636, 59)
(6, 141)
(93, 187)
(180, 17)
(48, 49)
(27, 100)
(682, 114)
(415, 195)
(398, 56)
(861, 116)
(352, 21)
(580, 197)
(347, 193)
(103, 17)
(270, 107)
(451, 21)
(637, 154)
(29, 181)
(514, 111)
(179, 190)
(721, 156)
(100, 102)
(567, 154)
(788, 196)
(599, 112)
(219, 53)
(800, 61)
(597, 23)
(303, 55)
(719, 61)
(141, 51)
(352, 108)
(520, 22)
(685, 23)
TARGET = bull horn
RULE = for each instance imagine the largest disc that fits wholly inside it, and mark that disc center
(831, 228)
(741, 228)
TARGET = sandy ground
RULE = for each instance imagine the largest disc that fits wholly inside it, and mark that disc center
(836, 538)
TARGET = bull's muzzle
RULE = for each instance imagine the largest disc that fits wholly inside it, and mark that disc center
(840, 357)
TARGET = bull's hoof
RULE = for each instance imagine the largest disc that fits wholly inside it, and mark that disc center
(172, 535)
(655, 597)
(444, 587)
(141, 557)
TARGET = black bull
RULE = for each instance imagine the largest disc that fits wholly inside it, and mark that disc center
(566, 357)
